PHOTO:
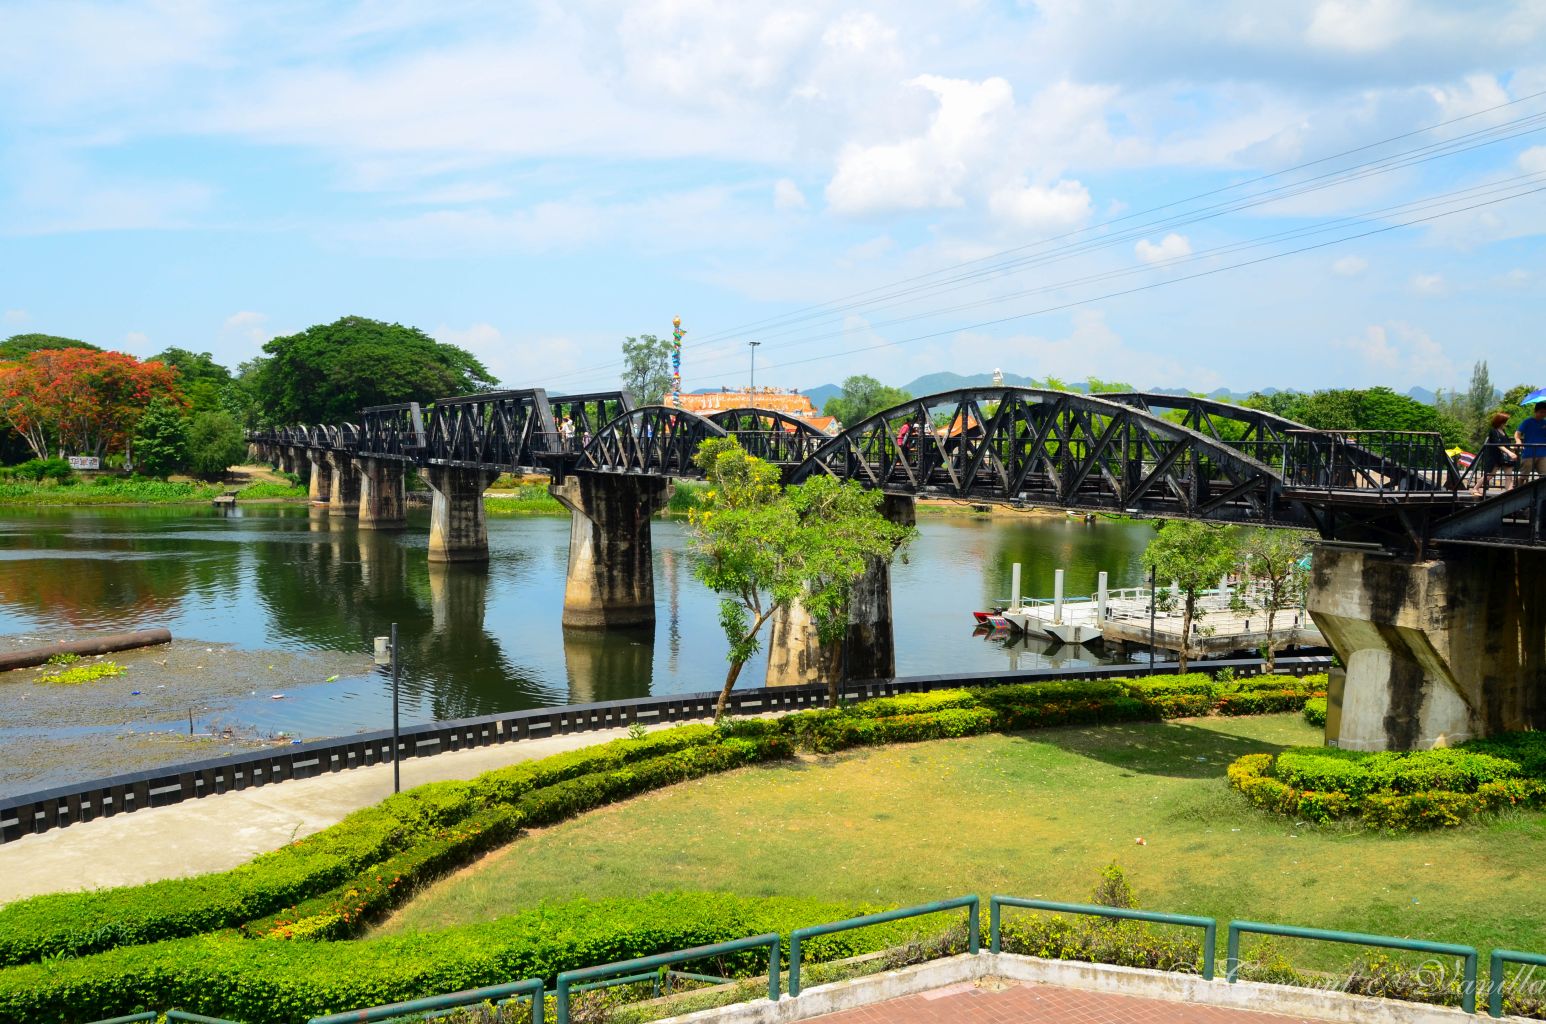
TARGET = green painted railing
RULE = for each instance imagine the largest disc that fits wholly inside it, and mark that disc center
(1495, 974)
(1207, 924)
(567, 980)
(1238, 928)
(132, 1018)
(531, 988)
(661, 981)
(799, 935)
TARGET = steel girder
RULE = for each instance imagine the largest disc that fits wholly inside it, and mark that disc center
(772, 436)
(392, 432)
(655, 439)
(1026, 445)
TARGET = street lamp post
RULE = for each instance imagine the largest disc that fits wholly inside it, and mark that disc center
(386, 654)
(753, 346)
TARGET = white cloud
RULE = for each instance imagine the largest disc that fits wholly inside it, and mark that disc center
(246, 328)
(1350, 266)
(16, 316)
(787, 195)
(1057, 207)
(1533, 160)
(1402, 355)
(926, 170)
(1430, 284)
(1357, 26)
(136, 341)
(1172, 246)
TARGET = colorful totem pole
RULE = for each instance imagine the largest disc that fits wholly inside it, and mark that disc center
(676, 361)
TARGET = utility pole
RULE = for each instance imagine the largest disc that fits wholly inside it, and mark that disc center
(386, 654)
(753, 390)
(1153, 600)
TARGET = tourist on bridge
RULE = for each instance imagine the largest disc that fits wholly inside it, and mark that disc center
(1495, 454)
(1532, 435)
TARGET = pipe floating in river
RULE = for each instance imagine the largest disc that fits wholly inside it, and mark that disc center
(92, 645)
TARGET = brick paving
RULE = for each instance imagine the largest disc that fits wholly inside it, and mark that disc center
(1020, 1003)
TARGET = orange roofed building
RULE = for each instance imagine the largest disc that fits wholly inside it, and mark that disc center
(790, 403)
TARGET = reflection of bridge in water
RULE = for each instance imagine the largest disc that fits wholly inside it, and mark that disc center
(1411, 563)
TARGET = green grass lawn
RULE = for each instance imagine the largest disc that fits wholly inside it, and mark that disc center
(1033, 814)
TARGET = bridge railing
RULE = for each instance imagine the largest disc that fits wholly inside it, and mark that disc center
(1371, 462)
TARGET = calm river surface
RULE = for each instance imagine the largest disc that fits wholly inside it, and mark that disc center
(277, 580)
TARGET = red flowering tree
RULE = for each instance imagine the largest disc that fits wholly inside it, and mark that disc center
(81, 401)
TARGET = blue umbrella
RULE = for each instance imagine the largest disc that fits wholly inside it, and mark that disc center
(1538, 395)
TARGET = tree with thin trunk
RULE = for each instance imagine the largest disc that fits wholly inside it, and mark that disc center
(1273, 561)
(1194, 556)
(647, 368)
(762, 547)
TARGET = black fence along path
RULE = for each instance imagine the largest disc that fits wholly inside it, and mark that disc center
(120, 794)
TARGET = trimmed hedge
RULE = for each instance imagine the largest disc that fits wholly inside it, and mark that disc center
(285, 982)
(1315, 711)
(1438, 788)
(84, 922)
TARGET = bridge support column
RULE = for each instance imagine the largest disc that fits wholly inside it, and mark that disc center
(1436, 652)
(458, 531)
(796, 655)
(287, 459)
(611, 558)
(383, 503)
(320, 487)
(344, 490)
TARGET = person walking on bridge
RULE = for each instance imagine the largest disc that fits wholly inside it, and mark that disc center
(1532, 436)
(1495, 454)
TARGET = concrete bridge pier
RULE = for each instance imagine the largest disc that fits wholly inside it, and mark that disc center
(320, 487)
(383, 502)
(1435, 652)
(458, 530)
(344, 490)
(796, 655)
(611, 579)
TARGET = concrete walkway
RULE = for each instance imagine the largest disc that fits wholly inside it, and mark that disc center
(222, 831)
(1012, 1002)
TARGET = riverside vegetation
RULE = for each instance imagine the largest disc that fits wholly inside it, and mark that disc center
(285, 936)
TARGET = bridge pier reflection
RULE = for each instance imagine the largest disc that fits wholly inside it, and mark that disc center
(611, 579)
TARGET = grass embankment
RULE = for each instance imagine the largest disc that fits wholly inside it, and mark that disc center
(1034, 814)
(106, 490)
(510, 498)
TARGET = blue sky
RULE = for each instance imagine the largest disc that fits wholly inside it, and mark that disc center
(535, 181)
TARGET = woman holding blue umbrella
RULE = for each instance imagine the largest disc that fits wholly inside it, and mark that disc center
(1531, 435)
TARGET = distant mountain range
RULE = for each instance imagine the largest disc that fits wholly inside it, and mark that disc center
(934, 383)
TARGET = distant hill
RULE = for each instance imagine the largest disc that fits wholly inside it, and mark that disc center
(934, 383)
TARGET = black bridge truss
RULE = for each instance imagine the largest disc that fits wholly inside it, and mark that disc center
(1133, 452)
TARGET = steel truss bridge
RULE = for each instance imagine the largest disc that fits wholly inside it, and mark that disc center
(1128, 453)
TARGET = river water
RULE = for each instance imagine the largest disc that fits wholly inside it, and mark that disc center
(278, 581)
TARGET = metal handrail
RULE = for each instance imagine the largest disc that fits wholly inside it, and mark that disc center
(1207, 924)
(1237, 928)
(531, 987)
(796, 937)
(566, 980)
(1495, 974)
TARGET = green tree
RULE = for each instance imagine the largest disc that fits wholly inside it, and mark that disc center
(160, 439)
(1377, 408)
(214, 443)
(329, 372)
(1272, 558)
(203, 381)
(1193, 556)
(18, 345)
(1096, 386)
(241, 397)
(762, 547)
(647, 368)
(862, 398)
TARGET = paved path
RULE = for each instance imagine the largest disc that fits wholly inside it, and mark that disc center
(1019, 1003)
(222, 831)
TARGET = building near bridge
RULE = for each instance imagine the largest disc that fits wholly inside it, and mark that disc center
(786, 401)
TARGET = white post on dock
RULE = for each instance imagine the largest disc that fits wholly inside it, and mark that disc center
(1014, 586)
(1100, 598)
(1057, 598)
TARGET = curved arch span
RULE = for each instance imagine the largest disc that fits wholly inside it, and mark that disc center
(652, 439)
(1054, 448)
